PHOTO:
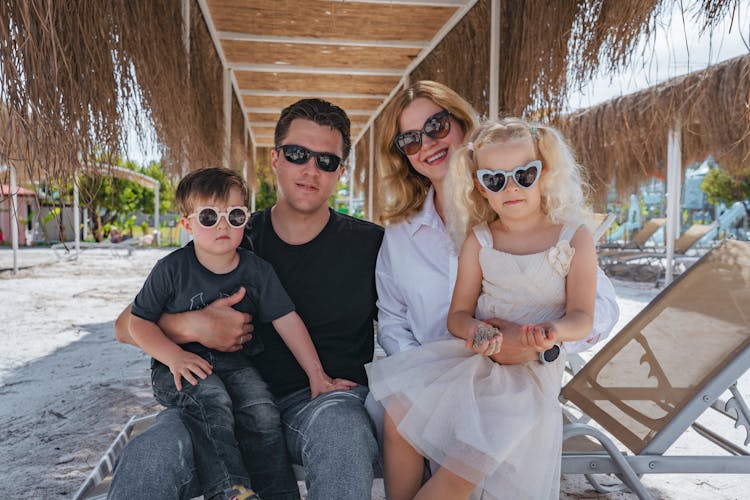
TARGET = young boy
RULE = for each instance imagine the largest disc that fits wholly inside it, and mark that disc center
(223, 390)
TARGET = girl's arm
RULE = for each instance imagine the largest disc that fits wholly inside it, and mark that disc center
(461, 321)
(580, 295)
(149, 337)
(296, 337)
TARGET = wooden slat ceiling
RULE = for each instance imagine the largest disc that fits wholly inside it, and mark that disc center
(353, 53)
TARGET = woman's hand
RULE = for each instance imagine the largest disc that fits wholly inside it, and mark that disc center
(541, 336)
(513, 351)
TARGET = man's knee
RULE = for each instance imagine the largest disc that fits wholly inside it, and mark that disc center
(260, 416)
(345, 427)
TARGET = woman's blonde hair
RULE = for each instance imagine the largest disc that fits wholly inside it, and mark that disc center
(562, 184)
(405, 189)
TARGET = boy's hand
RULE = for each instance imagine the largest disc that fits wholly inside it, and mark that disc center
(323, 383)
(484, 339)
(541, 336)
(186, 364)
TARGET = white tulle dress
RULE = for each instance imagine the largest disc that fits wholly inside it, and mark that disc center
(499, 426)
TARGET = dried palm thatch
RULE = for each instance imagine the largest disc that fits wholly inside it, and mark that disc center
(467, 74)
(75, 75)
(625, 139)
(548, 47)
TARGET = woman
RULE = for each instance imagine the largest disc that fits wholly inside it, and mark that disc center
(416, 268)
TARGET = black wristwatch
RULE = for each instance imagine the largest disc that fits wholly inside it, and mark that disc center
(550, 354)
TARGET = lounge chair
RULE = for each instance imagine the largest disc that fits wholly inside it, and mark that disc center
(662, 371)
(603, 223)
(639, 239)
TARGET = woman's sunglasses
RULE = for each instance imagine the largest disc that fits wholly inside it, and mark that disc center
(496, 180)
(208, 217)
(437, 126)
(327, 162)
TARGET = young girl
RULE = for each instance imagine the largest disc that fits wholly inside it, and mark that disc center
(527, 258)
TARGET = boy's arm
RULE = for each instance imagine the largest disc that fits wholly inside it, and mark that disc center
(217, 326)
(296, 337)
(149, 337)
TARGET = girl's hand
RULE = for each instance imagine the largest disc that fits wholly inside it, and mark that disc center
(323, 383)
(484, 339)
(541, 336)
(186, 364)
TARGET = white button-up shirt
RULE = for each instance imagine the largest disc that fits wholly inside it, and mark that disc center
(415, 275)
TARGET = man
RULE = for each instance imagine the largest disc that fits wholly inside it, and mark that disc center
(326, 263)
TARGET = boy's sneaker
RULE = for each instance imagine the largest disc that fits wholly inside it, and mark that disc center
(239, 492)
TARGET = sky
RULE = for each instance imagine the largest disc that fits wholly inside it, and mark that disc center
(675, 49)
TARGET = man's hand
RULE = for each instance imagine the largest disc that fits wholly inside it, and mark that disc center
(513, 352)
(222, 327)
(217, 326)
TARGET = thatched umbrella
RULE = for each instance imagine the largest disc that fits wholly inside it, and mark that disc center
(625, 139)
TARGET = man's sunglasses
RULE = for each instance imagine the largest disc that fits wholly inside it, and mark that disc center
(327, 162)
(496, 180)
(208, 217)
(437, 126)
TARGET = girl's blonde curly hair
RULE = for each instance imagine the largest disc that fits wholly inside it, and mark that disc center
(562, 182)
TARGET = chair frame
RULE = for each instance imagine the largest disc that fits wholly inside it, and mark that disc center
(651, 458)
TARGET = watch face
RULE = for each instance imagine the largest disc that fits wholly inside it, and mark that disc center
(551, 354)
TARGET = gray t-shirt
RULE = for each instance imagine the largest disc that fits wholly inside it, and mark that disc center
(180, 283)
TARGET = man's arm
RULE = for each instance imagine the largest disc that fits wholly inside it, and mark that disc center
(216, 326)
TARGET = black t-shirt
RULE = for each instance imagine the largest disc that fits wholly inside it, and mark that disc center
(180, 283)
(331, 281)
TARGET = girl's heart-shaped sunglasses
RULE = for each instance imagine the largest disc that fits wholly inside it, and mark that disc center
(496, 180)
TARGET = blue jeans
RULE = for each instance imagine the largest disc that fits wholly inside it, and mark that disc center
(234, 426)
(331, 436)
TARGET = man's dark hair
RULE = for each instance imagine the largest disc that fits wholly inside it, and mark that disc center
(318, 111)
(207, 183)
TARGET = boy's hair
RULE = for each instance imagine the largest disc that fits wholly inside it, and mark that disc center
(562, 184)
(405, 188)
(320, 112)
(207, 183)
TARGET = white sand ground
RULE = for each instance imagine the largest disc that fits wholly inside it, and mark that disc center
(67, 388)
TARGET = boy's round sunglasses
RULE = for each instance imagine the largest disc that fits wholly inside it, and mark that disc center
(208, 217)
(496, 180)
(327, 162)
(437, 126)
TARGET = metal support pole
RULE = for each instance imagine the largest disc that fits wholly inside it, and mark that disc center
(156, 213)
(14, 220)
(352, 163)
(371, 174)
(76, 216)
(674, 181)
(494, 60)
(227, 116)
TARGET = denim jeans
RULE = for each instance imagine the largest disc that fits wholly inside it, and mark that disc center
(234, 426)
(158, 463)
(333, 438)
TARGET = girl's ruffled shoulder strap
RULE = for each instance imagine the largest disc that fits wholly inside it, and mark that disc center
(568, 231)
(483, 234)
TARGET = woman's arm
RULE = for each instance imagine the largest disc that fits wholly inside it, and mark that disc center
(394, 330)
(216, 326)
